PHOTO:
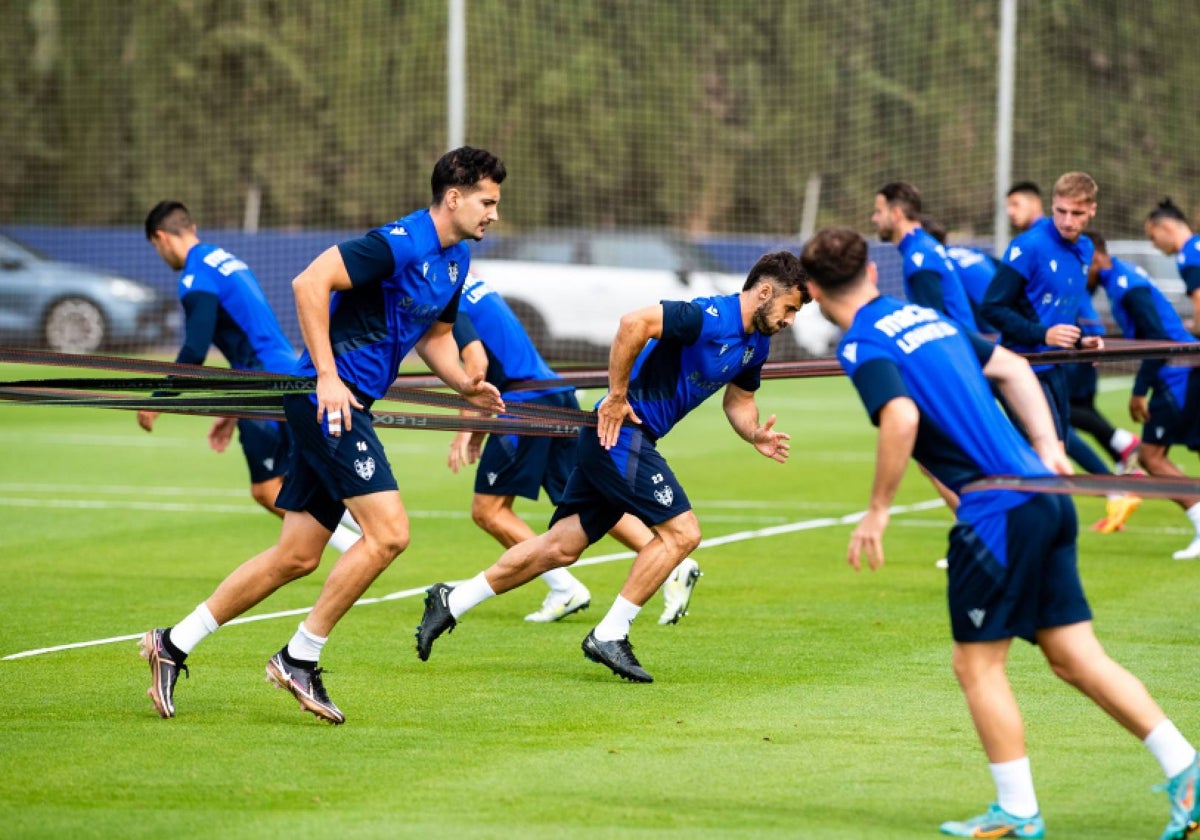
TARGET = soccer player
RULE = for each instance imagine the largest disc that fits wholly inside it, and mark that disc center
(1023, 204)
(363, 305)
(1171, 414)
(492, 341)
(924, 382)
(930, 278)
(975, 269)
(1037, 300)
(224, 305)
(665, 360)
(1167, 228)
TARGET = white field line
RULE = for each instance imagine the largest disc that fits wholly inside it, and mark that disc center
(713, 542)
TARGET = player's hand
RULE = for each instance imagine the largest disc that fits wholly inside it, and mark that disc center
(1139, 409)
(334, 400)
(221, 433)
(1063, 335)
(146, 419)
(611, 416)
(868, 537)
(771, 443)
(1092, 342)
(483, 395)
(1054, 456)
(460, 453)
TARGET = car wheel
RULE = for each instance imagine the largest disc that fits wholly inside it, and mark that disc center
(74, 325)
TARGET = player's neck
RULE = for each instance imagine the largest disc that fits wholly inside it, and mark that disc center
(443, 224)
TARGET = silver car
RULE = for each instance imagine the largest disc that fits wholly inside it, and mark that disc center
(75, 309)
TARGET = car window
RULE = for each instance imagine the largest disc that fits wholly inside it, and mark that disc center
(635, 252)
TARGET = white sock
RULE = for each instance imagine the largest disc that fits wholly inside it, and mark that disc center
(618, 621)
(1121, 438)
(560, 580)
(1193, 514)
(350, 522)
(468, 594)
(305, 646)
(342, 538)
(1172, 750)
(1014, 787)
(194, 629)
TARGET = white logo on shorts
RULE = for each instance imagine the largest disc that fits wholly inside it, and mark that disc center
(664, 496)
(976, 617)
(365, 469)
(491, 478)
(269, 463)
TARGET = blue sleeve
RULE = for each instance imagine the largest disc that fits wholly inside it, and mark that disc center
(878, 382)
(368, 259)
(1007, 308)
(200, 325)
(1089, 319)
(1191, 277)
(450, 313)
(749, 379)
(1139, 305)
(925, 289)
(464, 331)
(683, 321)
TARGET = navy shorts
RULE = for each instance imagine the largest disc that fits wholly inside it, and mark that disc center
(632, 477)
(1013, 572)
(324, 470)
(519, 465)
(1058, 394)
(1171, 423)
(265, 443)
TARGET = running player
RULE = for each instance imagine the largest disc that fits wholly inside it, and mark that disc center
(1167, 228)
(665, 360)
(924, 382)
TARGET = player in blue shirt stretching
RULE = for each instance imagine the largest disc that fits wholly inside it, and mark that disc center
(923, 380)
(1171, 413)
(665, 360)
(1168, 229)
(363, 305)
(224, 305)
(492, 341)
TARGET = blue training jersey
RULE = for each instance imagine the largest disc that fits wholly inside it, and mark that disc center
(484, 316)
(931, 279)
(1142, 311)
(225, 306)
(975, 269)
(897, 349)
(1188, 262)
(702, 349)
(374, 324)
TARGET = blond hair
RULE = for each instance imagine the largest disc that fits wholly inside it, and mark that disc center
(1077, 186)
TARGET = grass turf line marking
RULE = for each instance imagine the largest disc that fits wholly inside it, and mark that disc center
(738, 536)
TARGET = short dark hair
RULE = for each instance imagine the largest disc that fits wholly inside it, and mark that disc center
(934, 228)
(783, 269)
(1024, 187)
(834, 257)
(1098, 240)
(464, 167)
(903, 195)
(1166, 209)
(170, 216)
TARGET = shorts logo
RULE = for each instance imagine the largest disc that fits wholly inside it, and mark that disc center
(491, 477)
(664, 496)
(365, 469)
(976, 617)
(269, 463)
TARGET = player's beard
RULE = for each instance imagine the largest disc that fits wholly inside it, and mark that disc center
(761, 318)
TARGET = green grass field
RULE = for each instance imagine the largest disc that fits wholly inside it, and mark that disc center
(797, 700)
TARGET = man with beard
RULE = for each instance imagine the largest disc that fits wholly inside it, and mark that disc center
(666, 359)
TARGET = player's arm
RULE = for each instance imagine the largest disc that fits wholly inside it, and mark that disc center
(1006, 307)
(925, 289)
(199, 326)
(313, 288)
(438, 349)
(636, 328)
(898, 421)
(1023, 393)
(1190, 274)
(742, 412)
(1139, 306)
(466, 446)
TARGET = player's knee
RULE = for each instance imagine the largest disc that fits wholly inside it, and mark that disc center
(1153, 458)
(388, 543)
(264, 495)
(297, 564)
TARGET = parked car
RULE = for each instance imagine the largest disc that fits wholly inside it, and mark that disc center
(75, 309)
(571, 287)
